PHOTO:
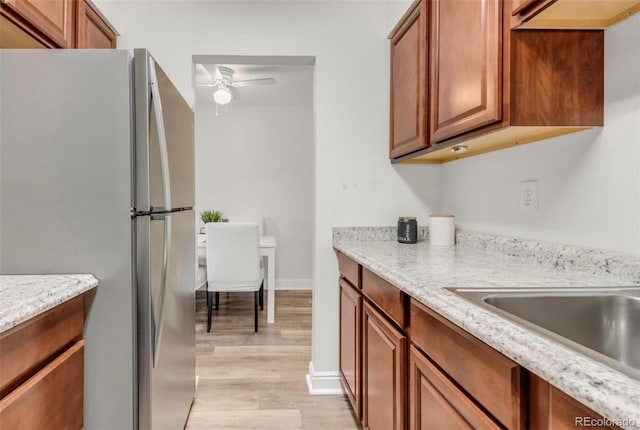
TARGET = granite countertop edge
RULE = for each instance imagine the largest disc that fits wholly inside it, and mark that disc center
(23, 297)
(614, 395)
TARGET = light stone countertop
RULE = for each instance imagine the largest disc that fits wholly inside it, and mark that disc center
(23, 297)
(423, 271)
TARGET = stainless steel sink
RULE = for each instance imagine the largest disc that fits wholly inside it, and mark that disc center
(601, 323)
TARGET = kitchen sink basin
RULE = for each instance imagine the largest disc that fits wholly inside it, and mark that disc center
(603, 324)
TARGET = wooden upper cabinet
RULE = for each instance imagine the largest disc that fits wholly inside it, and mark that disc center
(519, 6)
(545, 84)
(53, 18)
(571, 14)
(92, 32)
(53, 24)
(465, 66)
(14, 37)
(553, 80)
(408, 120)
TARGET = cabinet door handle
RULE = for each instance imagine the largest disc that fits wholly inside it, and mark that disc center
(162, 139)
(157, 310)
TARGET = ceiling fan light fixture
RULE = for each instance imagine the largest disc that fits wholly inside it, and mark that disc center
(222, 95)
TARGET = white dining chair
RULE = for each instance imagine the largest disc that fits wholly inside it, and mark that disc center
(249, 219)
(233, 263)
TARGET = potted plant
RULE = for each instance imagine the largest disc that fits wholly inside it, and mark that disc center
(210, 216)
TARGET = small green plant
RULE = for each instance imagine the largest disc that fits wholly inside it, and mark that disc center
(210, 216)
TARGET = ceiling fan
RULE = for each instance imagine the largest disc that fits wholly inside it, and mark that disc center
(223, 82)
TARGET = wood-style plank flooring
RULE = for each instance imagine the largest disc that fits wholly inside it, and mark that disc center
(257, 381)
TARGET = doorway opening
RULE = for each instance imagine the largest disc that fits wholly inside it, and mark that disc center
(255, 153)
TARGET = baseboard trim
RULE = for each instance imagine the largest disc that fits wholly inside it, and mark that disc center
(293, 284)
(323, 383)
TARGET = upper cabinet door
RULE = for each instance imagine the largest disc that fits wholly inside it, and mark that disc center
(409, 84)
(465, 66)
(92, 31)
(54, 18)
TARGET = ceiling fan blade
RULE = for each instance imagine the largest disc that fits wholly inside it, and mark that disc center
(249, 82)
(207, 84)
(218, 74)
(203, 73)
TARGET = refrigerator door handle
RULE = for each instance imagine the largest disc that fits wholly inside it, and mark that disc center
(157, 316)
(162, 140)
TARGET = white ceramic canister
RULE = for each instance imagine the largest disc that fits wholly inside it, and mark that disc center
(442, 230)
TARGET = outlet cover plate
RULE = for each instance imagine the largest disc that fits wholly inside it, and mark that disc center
(529, 196)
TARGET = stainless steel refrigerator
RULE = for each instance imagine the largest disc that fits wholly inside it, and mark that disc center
(97, 176)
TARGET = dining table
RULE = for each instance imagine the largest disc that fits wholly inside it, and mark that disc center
(268, 252)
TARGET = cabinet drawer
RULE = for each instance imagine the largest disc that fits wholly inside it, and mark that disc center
(349, 269)
(26, 347)
(436, 403)
(385, 296)
(489, 377)
(51, 399)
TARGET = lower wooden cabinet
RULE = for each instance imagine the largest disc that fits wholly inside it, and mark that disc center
(490, 378)
(51, 399)
(384, 373)
(350, 344)
(405, 366)
(42, 370)
(436, 403)
(551, 409)
(349, 270)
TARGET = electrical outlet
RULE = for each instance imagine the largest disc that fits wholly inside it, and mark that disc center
(529, 196)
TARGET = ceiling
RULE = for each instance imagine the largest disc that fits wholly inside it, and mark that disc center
(293, 87)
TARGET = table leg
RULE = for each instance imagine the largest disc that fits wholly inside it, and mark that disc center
(271, 285)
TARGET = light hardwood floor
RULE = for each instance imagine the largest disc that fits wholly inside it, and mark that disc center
(257, 381)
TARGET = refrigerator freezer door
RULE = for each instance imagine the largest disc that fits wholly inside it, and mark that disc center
(166, 319)
(65, 200)
(161, 112)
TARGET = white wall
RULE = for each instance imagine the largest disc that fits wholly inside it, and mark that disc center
(589, 182)
(354, 182)
(585, 179)
(395, 10)
(257, 161)
(110, 9)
